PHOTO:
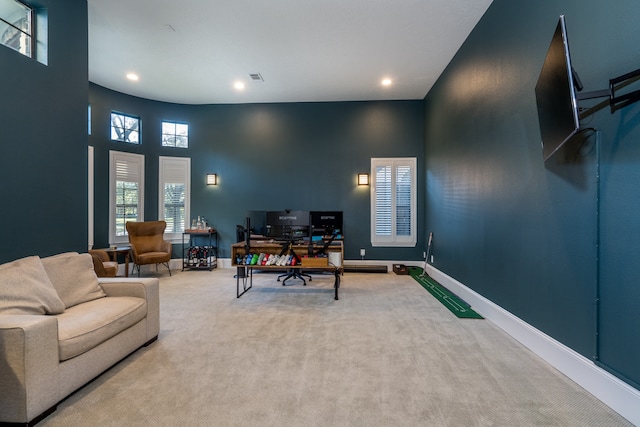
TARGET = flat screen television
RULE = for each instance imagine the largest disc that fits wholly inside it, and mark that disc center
(558, 113)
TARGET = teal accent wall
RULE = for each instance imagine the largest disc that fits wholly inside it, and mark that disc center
(43, 138)
(299, 156)
(551, 243)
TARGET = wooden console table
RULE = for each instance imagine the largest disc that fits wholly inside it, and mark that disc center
(244, 274)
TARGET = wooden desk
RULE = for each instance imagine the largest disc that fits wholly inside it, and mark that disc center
(245, 272)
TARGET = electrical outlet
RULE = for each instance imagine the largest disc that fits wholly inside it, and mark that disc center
(362, 251)
(431, 259)
(424, 255)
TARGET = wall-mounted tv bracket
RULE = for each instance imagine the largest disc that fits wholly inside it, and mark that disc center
(616, 102)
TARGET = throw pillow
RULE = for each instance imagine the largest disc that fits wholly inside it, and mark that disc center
(25, 288)
(73, 277)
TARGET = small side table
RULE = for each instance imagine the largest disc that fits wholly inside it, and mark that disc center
(120, 250)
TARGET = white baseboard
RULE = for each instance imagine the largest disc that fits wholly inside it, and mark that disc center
(615, 393)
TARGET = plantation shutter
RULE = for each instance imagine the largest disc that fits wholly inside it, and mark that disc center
(393, 202)
(174, 191)
(126, 193)
(383, 194)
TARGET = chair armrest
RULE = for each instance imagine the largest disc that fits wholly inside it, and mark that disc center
(102, 255)
(147, 288)
(29, 359)
(167, 247)
(98, 267)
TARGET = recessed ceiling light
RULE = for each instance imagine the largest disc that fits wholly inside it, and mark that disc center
(386, 82)
(239, 85)
(132, 76)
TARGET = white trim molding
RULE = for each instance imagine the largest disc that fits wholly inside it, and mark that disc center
(612, 391)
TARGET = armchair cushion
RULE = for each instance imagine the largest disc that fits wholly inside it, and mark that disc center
(25, 288)
(73, 277)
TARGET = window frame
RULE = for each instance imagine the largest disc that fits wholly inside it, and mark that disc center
(174, 169)
(125, 116)
(174, 134)
(135, 163)
(393, 239)
(30, 33)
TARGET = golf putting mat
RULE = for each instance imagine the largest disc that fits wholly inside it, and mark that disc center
(444, 295)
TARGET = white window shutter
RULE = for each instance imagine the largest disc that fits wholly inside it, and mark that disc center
(174, 191)
(393, 202)
(126, 193)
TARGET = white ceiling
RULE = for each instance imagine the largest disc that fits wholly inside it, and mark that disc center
(192, 51)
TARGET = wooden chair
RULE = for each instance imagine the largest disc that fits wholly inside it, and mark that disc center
(148, 245)
(102, 264)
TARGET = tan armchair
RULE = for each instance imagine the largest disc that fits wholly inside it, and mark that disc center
(148, 245)
(102, 264)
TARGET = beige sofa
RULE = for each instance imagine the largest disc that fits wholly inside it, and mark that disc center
(61, 326)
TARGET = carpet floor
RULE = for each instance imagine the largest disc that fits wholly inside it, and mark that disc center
(385, 354)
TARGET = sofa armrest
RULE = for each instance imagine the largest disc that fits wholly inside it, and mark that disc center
(29, 359)
(147, 288)
(141, 287)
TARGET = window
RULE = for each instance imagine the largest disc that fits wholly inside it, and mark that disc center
(393, 202)
(125, 128)
(126, 193)
(175, 134)
(16, 26)
(174, 194)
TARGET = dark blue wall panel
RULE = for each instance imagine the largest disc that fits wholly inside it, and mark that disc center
(524, 233)
(43, 137)
(268, 157)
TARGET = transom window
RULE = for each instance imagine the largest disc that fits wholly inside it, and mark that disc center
(16, 26)
(125, 128)
(175, 134)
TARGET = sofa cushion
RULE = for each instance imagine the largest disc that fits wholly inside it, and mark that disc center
(25, 288)
(73, 277)
(84, 326)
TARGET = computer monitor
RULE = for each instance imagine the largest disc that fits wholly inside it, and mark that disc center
(290, 225)
(327, 223)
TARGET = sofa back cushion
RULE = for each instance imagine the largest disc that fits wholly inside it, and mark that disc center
(73, 277)
(25, 288)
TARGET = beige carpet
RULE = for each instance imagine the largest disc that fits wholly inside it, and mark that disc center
(386, 354)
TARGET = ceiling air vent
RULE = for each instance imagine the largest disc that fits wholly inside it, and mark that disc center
(256, 77)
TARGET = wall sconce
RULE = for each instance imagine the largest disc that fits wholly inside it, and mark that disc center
(212, 179)
(363, 179)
